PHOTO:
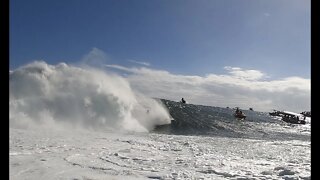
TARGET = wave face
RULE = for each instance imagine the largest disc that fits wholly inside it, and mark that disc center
(192, 119)
(43, 95)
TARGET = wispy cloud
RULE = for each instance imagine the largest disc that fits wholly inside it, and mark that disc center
(95, 57)
(244, 74)
(139, 62)
(114, 66)
(238, 87)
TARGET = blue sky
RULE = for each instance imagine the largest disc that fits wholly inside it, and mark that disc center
(245, 53)
(189, 37)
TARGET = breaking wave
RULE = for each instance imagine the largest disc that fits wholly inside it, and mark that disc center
(66, 96)
(43, 95)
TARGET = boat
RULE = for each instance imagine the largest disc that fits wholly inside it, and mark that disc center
(291, 117)
(274, 113)
(306, 113)
(293, 120)
(240, 115)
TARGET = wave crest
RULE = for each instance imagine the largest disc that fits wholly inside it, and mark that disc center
(49, 95)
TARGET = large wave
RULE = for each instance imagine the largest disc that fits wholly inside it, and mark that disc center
(191, 119)
(43, 95)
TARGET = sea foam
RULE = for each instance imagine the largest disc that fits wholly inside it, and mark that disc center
(72, 96)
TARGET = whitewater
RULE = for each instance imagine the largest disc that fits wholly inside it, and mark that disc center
(80, 122)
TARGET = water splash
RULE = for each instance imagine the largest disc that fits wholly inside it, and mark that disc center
(43, 95)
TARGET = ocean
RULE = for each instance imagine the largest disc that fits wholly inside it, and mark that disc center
(190, 119)
(70, 122)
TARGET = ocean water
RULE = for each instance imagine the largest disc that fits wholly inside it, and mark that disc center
(69, 122)
(190, 119)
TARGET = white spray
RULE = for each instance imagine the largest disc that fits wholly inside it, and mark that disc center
(47, 95)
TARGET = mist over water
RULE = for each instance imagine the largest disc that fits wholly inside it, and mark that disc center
(55, 96)
(202, 142)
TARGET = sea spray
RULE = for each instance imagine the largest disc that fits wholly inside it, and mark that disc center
(43, 95)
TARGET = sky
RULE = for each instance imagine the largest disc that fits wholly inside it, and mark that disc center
(258, 47)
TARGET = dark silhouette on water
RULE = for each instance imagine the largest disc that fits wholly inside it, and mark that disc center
(183, 101)
(239, 114)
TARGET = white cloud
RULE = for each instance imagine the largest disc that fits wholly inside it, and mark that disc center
(240, 87)
(140, 62)
(244, 74)
(95, 58)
